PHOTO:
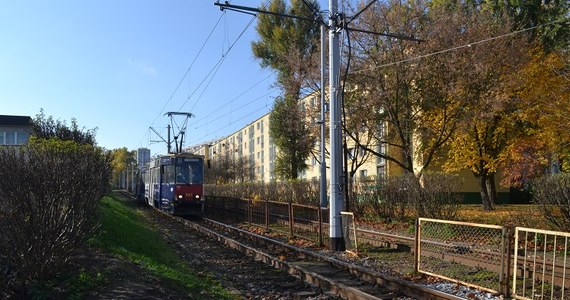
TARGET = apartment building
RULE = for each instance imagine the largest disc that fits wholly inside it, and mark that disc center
(15, 130)
(143, 157)
(254, 143)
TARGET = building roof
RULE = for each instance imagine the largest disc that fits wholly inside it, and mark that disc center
(15, 120)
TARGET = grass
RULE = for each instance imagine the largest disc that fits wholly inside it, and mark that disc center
(124, 234)
(69, 285)
(528, 215)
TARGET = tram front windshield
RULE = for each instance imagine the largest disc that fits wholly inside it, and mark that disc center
(189, 172)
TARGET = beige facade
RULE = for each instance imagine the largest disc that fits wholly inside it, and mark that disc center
(251, 142)
(254, 143)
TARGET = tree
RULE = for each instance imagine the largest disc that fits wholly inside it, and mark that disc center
(226, 169)
(291, 136)
(286, 45)
(122, 158)
(543, 88)
(404, 102)
(356, 156)
(491, 119)
(550, 18)
(46, 128)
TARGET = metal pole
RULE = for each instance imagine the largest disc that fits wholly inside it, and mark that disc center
(168, 139)
(323, 179)
(337, 201)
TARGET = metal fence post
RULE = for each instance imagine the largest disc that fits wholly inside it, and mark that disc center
(291, 218)
(248, 213)
(267, 214)
(508, 247)
(417, 247)
(320, 219)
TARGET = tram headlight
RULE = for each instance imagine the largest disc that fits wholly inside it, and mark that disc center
(197, 196)
(180, 197)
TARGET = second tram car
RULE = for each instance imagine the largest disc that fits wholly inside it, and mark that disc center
(174, 183)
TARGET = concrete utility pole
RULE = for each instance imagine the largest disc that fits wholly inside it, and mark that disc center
(336, 24)
(323, 179)
(337, 201)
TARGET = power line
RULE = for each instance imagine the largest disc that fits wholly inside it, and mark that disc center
(188, 70)
(234, 98)
(219, 129)
(184, 76)
(468, 45)
(216, 67)
(239, 108)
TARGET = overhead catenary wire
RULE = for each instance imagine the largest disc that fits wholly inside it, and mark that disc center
(238, 108)
(217, 109)
(214, 69)
(468, 45)
(224, 126)
(218, 64)
(183, 76)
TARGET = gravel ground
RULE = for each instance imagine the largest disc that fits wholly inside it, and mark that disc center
(243, 276)
(238, 273)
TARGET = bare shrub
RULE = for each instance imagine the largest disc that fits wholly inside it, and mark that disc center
(439, 197)
(403, 197)
(552, 193)
(299, 191)
(398, 195)
(49, 193)
(366, 198)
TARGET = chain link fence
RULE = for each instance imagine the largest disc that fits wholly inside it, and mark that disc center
(520, 262)
(467, 253)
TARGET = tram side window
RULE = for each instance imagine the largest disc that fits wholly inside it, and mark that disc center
(168, 176)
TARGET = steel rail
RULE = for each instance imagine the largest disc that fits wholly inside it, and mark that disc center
(407, 288)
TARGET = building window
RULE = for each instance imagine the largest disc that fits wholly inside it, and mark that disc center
(13, 138)
(363, 174)
(10, 138)
(22, 138)
(381, 171)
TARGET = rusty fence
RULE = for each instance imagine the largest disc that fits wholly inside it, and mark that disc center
(294, 220)
(466, 253)
(541, 260)
(476, 255)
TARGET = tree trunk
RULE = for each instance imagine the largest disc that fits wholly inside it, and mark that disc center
(492, 189)
(294, 167)
(486, 201)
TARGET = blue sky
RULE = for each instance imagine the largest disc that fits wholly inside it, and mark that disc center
(115, 65)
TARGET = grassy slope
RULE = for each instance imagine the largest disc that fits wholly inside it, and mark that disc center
(124, 234)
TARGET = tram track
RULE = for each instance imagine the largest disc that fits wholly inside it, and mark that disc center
(340, 278)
